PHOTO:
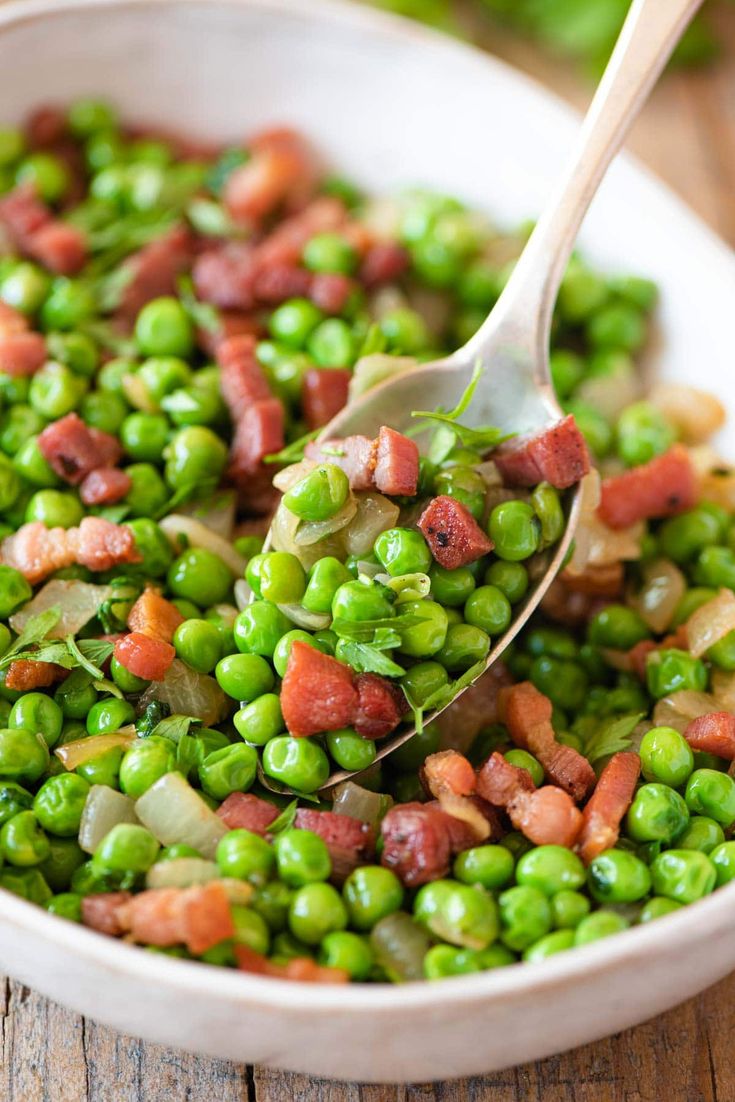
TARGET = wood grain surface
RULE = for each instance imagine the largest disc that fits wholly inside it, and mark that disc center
(48, 1054)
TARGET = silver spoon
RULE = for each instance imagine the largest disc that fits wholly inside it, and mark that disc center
(512, 346)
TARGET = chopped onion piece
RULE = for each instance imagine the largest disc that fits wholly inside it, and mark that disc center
(489, 472)
(218, 515)
(181, 872)
(104, 808)
(711, 622)
(198, 535)
(174, 813)
(723, 688)
(78, 601)
(375, 514)
(400, 946)
(679, 709)
(594, 543)
(243, 593)
(360, 803)
(187, 693)
(313, 621)
(73, 754)
(409, 587)
(610, 394)
(462, 808)
(289, 476)
(283, 533)
(694, 413)
(310, 532)
(369, 569)
(663, 587)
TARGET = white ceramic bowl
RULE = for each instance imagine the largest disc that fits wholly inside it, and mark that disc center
(390, 105)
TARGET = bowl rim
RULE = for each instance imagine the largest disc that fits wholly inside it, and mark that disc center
(638, 943)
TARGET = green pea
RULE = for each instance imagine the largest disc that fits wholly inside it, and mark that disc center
(405, 331)
(618, 627)
(488, 608)
(359, 600)
(617, 326)
(722, 859)
(201, 576)
(55, 391)
(76, 695)
(17, 425)
(462, 914)
(55, 508)
(582, 293)
(325, 578)
(144, 436)
(370, 894)
(568, 908)
(711, 793)
(511, 578)
(271, 901)
(29, 462)
(657, 908)
(682, 538)
(301, 858)
(403, 551)
(320, 495)
(348, 951)
(152, 545)
(349, 750)
(643, 433)
(245, 856)
(46, 173)
(316, 910)
(598, 925)
(38, 712)
(567, 371)
(24, 755)
(670, 671)
(261, 720)
(444, 960)
(231, 769)
(658, 814)
(523, 760)
(180, 849)
(162, 375)
(479, 285)
(259, 627)
(148, 493)
(66, 905)
(666, 756)
(423, 680)
(299, 763)
(59, 804)
(329, 252)
(282, 578)
(683, 875)
(22, 841)
(145, 763)
(556, 942)
(13, 798)
(550, 869)
(489, 866)
(464, 646)
(250, 929)
(163, 328)
(715, 567)
(128, 847)
(525, 916)
(515, 530)
(104, 769)
(701, 833)
(27, 883)
(109, 714)
(617, 876)
(293, 322)
(194, 456)
(465, 485)
(332, 344)
(224, 622)
(25, 288)
(197, 643)
(244, 676)
(430, 635)
(451, 587)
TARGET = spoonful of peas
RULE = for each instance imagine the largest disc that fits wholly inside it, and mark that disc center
(397, 622)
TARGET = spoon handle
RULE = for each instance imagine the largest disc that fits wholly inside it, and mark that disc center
(523, 312)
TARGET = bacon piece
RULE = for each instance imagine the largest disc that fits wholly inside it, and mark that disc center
(225, 274)
(608, 804)
(99, 544)
(318, 692)
(197, 917)
(22, 213)
(299, 969)
(242, 810)
(242, 379)
(558, 455)
(384, 262)
(331, 291)
(416, 843)
(323, 394)
(355, 455)
(259, 432)
(143, 656)
(105, 486)
(380, 706)
(527, 715)
(285, 244)
(278, 282)
(37, 551)
(547, 816)
(350, 842)
(451, 779)
(665, 486)
(230, 323)
(21, 354)
(59, 247)
(281, 169)
(154, 616)
(11, 321)
(100, 912)
(452, 533)
(45, 126)
(24, 675)
(713, 734)
(74, 450)
(154, 270)
(396, 463)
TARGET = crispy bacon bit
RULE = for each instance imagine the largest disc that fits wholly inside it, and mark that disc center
(24, 675)
(242, 810)
(350, 842)
(197, 917)
(105, 486)
(99, 544)
(396, 463)
(145, 657)
(154, 616)
(74, 450)
(242, 379)
(45, 126)
(384, 262)
(260, 432)
(275, 284)
(416, 843)
(452, 533)
(22, 213)
(331, 291)
(608, 804)
(527, 714)
(153, 271)
(285, 244)
(37, 551)
(451, 779)
(299, 969)
(323, 394)
(224, 276)
(558, 455)
(713, 734)
(11, 321)
(355, 455)
(662, 488)
(100, 912)
(21, 354)
(318, 692)
(59, 247)
(547, 816)
(380, 706)
(230, 323)
(280, 170)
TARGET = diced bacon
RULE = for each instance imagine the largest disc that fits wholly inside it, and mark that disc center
(331, 291)
(396, 463)
(547, 816)
(384, 262)
(224, 276)
(143, 656)
(22, 213)
(350, 842)
(243, 811)
(355, 455)
(24, 675)
(323, 394)
(558, 455)
(713, 734)
(197, 917)
(299, 969)
(280, 169)
(100, 912)
(231, 323)
(665, 486)
(99, 544)
(21, 354)
(527, 714)
(74, 450)
(154, 616)
(259, 432)
(242, 379)
(11, 321)
(608, 804)
(380, 706)
(451, 779)
(37, 551)
(569, 608)
(154, 270)
(59, 247)
(105, 486)
(277, 282)
(318, 692)
(452, 533)
(468, 819)
(416, 843)
(45, 126)
(285, 244)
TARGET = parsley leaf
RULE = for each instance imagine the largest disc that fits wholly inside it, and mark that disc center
(293, 452)
(482, 439)
(285, 820)
(151, 717)
(373, 342)
(35, 630)
(612, 736)
(444, 696)
(90, 654)
(365, 658)
(175, 727)
(363, 631)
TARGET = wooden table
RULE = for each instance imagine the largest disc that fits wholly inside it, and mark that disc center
(48, 1054)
